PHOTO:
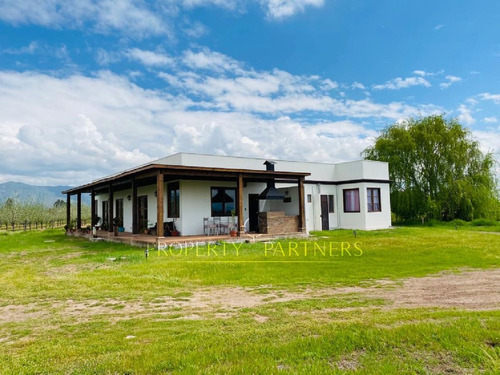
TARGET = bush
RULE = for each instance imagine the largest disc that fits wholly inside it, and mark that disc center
(459, 222)
(484, 223)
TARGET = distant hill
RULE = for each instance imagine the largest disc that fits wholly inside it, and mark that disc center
(43, 194)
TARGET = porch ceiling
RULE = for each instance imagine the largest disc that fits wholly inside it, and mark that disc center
(147, 175)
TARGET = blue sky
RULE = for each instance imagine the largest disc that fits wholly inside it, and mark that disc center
(91, 87)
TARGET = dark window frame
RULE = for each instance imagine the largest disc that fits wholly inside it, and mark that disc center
(222, 189)
(173, 202)
(119, 210)
(370, 201)
(309, 198)
(344, 191)
(105, 212)
(331, 204)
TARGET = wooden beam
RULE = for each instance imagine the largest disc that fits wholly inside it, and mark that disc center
(159, 204)
(79, 210)
(239, 206)
(68, 210)
(135, 226)
(110, 209)
(92, 208)
(302, 216)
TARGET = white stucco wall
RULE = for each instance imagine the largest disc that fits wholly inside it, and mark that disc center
(195, 194)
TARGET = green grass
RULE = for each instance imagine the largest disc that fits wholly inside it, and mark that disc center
(46, 276)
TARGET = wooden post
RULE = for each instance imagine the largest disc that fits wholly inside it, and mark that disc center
(159, 204)
(68, 210)
(302, 216)
(239, 206)
(79, 210)
(110, 209)
(92, 208)
(135, 226)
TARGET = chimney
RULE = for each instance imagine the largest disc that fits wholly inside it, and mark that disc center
(269, 165)
(270, 192)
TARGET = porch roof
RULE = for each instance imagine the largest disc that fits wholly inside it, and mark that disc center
(151, 170)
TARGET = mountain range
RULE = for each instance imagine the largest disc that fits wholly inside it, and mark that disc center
(41, 194)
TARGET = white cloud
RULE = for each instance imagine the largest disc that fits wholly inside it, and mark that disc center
(227, 4)
(280, 9)
(495, 98)
(130, 17)
(449, 81)
(104, 57)
(80, 128)
(357, 85)
(29, 49)
(490, 120)
(438, 27)
(195, 29)
(149, 58)
(328, 84)
(402, 83)
(465, 115)
(423, 73)
(210, 60)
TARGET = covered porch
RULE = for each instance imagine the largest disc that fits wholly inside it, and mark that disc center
(188, 187)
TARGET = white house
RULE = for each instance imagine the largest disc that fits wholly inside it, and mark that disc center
(193, 190)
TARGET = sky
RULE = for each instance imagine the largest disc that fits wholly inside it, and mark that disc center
(92, 87)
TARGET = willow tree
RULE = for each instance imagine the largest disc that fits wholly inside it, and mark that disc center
(438, 170)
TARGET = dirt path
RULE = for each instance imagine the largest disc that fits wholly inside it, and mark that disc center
(469, 290)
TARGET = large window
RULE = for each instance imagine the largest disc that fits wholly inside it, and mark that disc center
(373, 199)
(351, 200)
(173, 199)
(223, 201)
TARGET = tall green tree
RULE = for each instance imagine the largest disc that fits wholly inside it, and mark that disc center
(438, 170)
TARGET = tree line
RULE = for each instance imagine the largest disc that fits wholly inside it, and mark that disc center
(437, 170)
(26, 215)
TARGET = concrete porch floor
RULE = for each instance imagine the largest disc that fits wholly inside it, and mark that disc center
(144, 240)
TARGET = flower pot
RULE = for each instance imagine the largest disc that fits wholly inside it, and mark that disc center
(174, 233)
(233, 233)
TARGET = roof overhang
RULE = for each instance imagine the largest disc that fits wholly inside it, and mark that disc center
(152, 170)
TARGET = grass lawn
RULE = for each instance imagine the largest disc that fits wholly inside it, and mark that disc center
(69, 306)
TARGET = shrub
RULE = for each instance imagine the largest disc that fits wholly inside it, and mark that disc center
(484, 223)
(459, 222)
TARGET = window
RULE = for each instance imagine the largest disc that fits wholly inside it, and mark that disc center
(142, 209)
(351, 200)
(119, 211)
(331, 205)
(223, 201)
(173, 199)
(105, 213)
(309, 198)
(373, 199)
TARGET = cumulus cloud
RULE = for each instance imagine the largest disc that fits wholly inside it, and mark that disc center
(29, 49)
(81, 128)
(357, 85)
(465, 115)
(280, 9)
(130, 17)
(490, 120)
(210, 60)
(495, 98)
(403, 83)
(449, 81)
(149, 58)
